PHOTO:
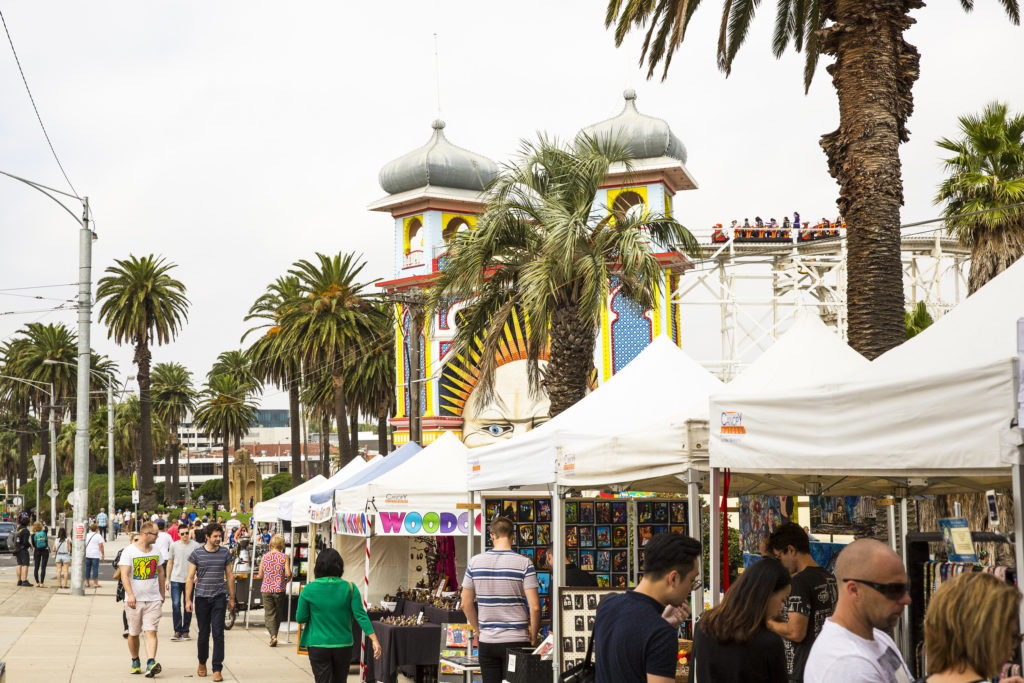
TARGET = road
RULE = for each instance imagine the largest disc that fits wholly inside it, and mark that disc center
(7, 565)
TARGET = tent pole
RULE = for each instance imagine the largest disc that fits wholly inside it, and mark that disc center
(557, 575)
(693, 519)
(891, 511)
(1018, 467)
(903, 548)
(716, 539)
(366, 597)
(295, 573)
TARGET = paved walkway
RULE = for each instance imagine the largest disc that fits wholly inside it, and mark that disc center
(49, 635)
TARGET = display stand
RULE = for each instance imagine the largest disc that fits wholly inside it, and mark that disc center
(577, 609)
(458, 660)
(917, 555)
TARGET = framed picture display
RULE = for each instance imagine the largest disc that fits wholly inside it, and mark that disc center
(577, 613)
(531, 518)
(591, 538)
(653, 516)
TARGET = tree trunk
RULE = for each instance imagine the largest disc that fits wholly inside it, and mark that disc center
(873, 73)
(571, 357)
(226, 489)
(382, 432)
(994, 250)
(293, 422)
(353, 422)
(23, 443)
(147, 490)
(325, 444)
(341, 416)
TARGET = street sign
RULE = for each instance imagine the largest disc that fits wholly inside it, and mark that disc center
(79, 532)
(135, 496)
(53, 492)
(37, 462)
(16, 501)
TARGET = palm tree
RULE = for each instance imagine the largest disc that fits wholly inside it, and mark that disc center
(986, 177)
(174, 398)
(373, 377)
(331, 324)
(545, 248)
(873, 74)
(273, 361)
(140, 303)
(237, 364)
(917, 319)
(225, 409)
(16, 396)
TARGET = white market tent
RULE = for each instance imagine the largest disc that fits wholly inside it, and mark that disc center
(939, 413)
(298, 507)
(268, 510)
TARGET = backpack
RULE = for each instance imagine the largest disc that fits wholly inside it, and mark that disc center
(40, 539)
(12, 540)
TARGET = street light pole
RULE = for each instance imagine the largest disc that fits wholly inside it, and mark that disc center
(110, 448)
(53, 462)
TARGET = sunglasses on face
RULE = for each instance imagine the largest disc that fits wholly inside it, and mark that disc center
(892, 591)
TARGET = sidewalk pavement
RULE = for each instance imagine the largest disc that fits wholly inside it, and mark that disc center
(79, 639)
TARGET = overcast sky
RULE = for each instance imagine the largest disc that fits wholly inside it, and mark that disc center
(237, 137)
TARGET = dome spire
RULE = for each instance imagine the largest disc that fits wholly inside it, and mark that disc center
(438, 163)
(644, 136)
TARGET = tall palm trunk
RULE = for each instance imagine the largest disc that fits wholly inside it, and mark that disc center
(147, 490)
(994, 250)
(293, 422)
(353, 422)
(571, 357)
(325, 444)
(382, 430)
(225, 496)
(341, 415)
(171, 459)
(23, 442)
(873, 73)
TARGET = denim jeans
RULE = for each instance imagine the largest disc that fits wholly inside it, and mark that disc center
(181, 618)
(92, 568)
(210, 616)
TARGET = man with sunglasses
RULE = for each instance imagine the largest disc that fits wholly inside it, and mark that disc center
(853, 646)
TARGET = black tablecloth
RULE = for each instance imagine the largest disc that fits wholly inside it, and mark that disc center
(404, 646)
(357, 632)
(408, 608)
(436, 615)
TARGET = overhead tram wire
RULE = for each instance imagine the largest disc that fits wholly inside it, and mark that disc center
(19, 289)
(34, 107)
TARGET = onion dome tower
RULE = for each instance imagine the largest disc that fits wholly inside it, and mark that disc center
(655, 174)
(433, 192)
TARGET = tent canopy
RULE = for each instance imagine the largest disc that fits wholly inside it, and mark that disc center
(433, 481)
(268, 510)
(369, 473)
(674, 437)
(300, 507)
(660, 377)
(938, 406)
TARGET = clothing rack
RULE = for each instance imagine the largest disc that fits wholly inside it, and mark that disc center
(918, 560)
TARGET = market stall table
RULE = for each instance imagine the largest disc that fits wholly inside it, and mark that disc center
(436, 615)
(403, 646)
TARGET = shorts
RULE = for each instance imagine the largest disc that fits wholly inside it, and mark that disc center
(145, 616)
(64, 558)
(22, 557)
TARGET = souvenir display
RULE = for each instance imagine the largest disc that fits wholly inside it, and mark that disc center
(542, 533)
(593, 529)
(653, 516)
(416, 620)
(578, 610)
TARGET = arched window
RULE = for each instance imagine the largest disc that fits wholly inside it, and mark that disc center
(628, 204)
(454, 226)
(412, 230)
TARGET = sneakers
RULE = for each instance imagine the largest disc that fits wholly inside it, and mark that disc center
(185, 636)
(136, 667)
(152, 669)
(176, 636)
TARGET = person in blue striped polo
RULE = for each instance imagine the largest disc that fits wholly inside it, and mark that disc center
(500, 599)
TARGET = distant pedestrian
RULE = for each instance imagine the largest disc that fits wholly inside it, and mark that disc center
(62, 558)
(732, 642)
(177, 575)
(275, 571)
(21, 550)
(811, 600)
(505, 584)
(40, 552)
(118, 522)
(633, 640)
(102, 521)
(328, 606)
(211, 577)
(142, 575)
(172, 530)
(93, 554)
(163, 540)
(970, 629)
(853, 645)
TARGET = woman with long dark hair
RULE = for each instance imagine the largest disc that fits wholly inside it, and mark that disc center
(327, 606)
(732, 643)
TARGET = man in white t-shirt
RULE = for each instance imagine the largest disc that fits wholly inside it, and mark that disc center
(852, 646)
(231, 525)
(142, 574)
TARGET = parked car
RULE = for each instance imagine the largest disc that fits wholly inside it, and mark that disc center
(5, 530)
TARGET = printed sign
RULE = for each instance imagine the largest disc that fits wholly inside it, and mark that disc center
(732, 428)
(956, 535)
(430, 523)
(79, 532)
(135, 496)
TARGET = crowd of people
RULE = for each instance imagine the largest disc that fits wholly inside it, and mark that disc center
(785, 620)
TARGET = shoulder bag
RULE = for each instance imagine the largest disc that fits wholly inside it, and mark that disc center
(584, 671)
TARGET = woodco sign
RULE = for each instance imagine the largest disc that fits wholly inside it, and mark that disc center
(424, 523)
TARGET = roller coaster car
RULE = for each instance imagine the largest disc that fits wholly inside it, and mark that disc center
(764, 234)
(819, 232)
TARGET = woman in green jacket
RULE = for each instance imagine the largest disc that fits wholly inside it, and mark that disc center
(327, 607)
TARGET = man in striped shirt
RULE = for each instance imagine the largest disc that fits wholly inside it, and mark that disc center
(499, 586)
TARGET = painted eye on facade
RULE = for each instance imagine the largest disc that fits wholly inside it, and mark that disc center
(498, 429)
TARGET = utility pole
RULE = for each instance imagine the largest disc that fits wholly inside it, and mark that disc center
(54, 489)
(81, 492)
(413, 302)
(110, 448)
